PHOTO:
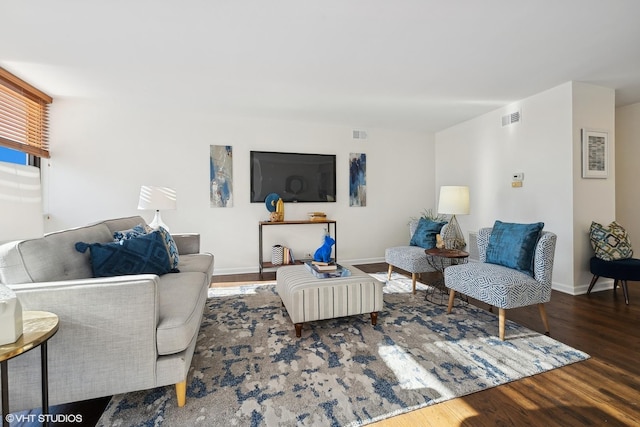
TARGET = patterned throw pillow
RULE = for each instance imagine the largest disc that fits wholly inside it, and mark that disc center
(611, 242)
(141, 230)
(513, 245)
(137, 231)
(145, 254)
(172, 249)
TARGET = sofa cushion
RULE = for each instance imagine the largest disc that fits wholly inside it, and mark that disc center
(202, 262)
(179, 323)
(146, 254)
(611, 242)
(425, 234)
(117, 224)
(512, 245)
(50, 258)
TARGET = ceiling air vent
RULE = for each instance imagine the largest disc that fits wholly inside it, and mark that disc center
(359, 134)
(509, 119)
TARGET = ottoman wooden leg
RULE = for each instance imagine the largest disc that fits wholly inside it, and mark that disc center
(374, 318)
(298, 330)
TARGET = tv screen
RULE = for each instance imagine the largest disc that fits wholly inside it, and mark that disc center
(296, 177)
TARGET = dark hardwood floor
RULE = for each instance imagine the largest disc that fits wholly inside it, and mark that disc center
(604, 390)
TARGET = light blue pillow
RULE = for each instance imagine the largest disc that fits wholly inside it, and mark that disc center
(513, 245)
(425, 234)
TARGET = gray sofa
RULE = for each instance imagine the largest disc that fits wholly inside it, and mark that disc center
(116, 334)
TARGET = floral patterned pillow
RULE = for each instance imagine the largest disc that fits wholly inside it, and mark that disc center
(611, 242)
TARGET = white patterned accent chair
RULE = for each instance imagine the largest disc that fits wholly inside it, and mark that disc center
(505, 287)
(411, 259)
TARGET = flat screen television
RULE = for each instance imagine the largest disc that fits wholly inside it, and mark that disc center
(295, 177)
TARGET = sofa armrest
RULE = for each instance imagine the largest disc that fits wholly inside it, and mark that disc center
(105, 325)
(187, 243)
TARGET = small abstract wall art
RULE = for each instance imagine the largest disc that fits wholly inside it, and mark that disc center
(221, 176)
(357, 179)
(595, 153)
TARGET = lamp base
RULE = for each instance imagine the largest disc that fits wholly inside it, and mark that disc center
(157, 222)
(452, 236)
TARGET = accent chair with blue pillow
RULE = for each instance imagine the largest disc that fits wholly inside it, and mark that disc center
(515, 270)
(613, 257)
(412, 258)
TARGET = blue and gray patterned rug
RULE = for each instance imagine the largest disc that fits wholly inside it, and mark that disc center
(250, 370)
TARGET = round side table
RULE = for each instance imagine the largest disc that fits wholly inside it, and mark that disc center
(440, 259)
(38, 327)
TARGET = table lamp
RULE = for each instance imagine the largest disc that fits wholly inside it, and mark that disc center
(454, 200)
(157, 199)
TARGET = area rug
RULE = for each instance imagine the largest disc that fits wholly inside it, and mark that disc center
(249, 369)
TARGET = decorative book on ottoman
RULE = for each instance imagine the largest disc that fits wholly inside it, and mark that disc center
(338, 271)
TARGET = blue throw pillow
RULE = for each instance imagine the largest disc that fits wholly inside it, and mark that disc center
(513, 245)
(141, 230)
(425, 235)
(146, 254)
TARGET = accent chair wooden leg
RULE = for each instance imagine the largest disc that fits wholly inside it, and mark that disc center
(543, 315)
(501, 318)
(389, 273)
(452, 296)
(626, 291)
(374, 318)
(298, 330)
(181, 393)
(413, 282)
(594, 279)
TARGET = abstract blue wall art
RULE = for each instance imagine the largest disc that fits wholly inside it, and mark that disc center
(221, 176)
(357, 179)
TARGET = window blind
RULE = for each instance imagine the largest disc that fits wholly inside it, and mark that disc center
(24, 116)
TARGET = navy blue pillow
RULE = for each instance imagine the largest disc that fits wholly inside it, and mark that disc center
(146, 254)
(425, 235)
(513, 245)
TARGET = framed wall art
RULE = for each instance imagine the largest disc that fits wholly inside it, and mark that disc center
(221, 176)
(595, 154)
(357, 179)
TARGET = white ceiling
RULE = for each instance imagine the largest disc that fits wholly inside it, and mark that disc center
(419, 65)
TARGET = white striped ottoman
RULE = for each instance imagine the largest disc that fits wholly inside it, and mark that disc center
(308, 298)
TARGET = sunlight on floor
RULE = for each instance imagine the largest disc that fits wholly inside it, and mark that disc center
(409, 373)
(225, 291)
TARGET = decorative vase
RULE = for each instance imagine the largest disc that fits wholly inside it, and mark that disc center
(280, 210)
(277, 255)
(10, 316)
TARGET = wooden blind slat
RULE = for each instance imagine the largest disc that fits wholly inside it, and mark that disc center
(24, 116)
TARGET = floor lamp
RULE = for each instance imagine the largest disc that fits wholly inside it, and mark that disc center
(454, 200)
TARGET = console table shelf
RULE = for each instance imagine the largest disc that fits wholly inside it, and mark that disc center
(262, 264)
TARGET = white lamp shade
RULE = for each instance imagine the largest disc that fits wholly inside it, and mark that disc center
(157, 198)
(454, 200)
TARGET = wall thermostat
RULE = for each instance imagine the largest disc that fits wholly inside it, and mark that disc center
(516, 179)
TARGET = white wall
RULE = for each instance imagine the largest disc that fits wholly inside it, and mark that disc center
(593, 199)
(483, 154)
(627, 171)
(103, 151)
